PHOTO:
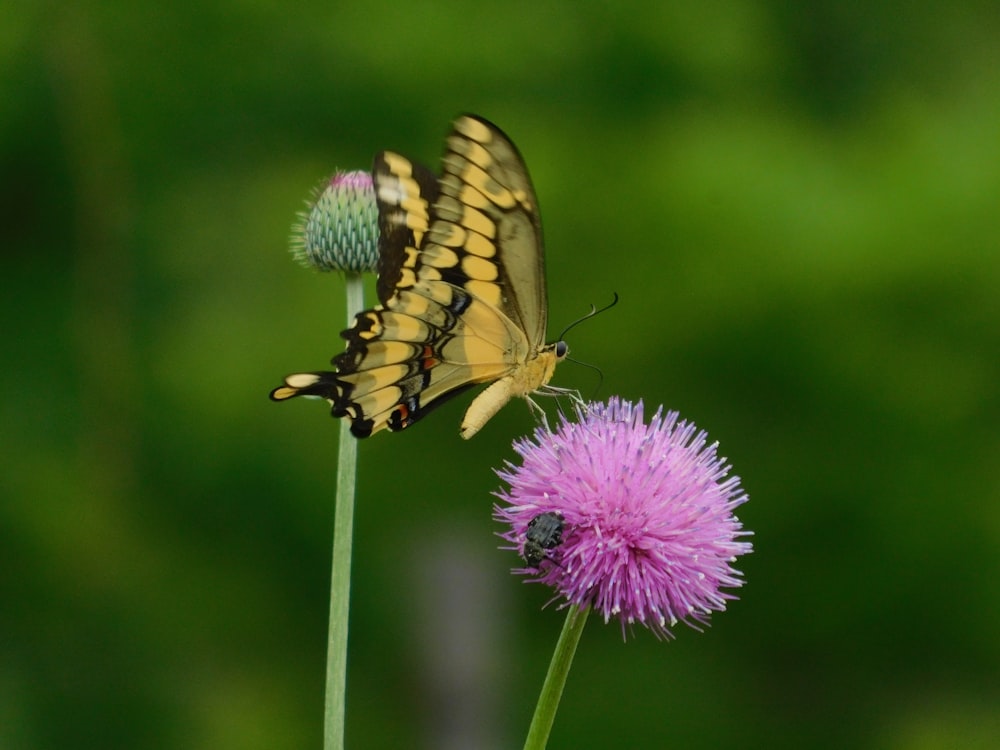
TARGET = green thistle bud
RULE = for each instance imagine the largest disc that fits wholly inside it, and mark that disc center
(340, 231)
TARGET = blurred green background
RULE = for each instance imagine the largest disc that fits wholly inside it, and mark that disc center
(799, 205)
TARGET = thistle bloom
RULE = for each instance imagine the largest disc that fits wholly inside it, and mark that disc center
(340, 231)
(648, 533)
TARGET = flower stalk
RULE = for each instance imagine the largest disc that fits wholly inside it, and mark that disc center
(340, 233)
(555, 679)
(340, 576)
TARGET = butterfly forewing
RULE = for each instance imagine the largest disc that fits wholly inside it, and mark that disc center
(405, 192)
(484, 175)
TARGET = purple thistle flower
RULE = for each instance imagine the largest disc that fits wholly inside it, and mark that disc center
(648, 533)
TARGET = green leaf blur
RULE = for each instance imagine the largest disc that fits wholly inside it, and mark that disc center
(799, 205)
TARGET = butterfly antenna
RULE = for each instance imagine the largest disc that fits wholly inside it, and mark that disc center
(595, 368)
(593, 311)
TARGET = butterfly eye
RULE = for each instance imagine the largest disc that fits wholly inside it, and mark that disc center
(562, 349)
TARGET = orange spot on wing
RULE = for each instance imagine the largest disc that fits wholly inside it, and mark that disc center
(403, 412)
(428, 359)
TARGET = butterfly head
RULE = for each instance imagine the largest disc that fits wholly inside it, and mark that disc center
(551, 354)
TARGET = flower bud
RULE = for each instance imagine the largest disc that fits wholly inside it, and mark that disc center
(340, 231)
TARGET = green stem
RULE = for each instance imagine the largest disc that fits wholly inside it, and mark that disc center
(340, 578)
(555, 680)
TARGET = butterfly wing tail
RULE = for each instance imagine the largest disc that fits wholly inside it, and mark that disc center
(314, 384)
(328, 386)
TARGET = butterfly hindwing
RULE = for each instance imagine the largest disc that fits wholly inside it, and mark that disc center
(461, 291)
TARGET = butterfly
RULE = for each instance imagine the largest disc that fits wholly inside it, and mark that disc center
(461, 291)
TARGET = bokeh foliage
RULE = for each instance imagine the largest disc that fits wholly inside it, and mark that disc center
(799, 205)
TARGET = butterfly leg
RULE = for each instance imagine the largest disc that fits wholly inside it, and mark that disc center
(571, 393)
(575, 399)
(539, 413)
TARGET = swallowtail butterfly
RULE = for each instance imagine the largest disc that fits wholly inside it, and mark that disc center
(461, 291)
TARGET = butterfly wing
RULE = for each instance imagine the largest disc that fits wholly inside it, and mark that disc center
(461, 289)
(486, 190)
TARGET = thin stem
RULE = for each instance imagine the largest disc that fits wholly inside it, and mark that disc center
(555, 680)
(340, 578)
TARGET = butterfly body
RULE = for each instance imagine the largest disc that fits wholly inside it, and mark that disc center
(532, 375)
(461, 292)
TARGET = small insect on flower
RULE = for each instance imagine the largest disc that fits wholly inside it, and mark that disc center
(544, 532)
